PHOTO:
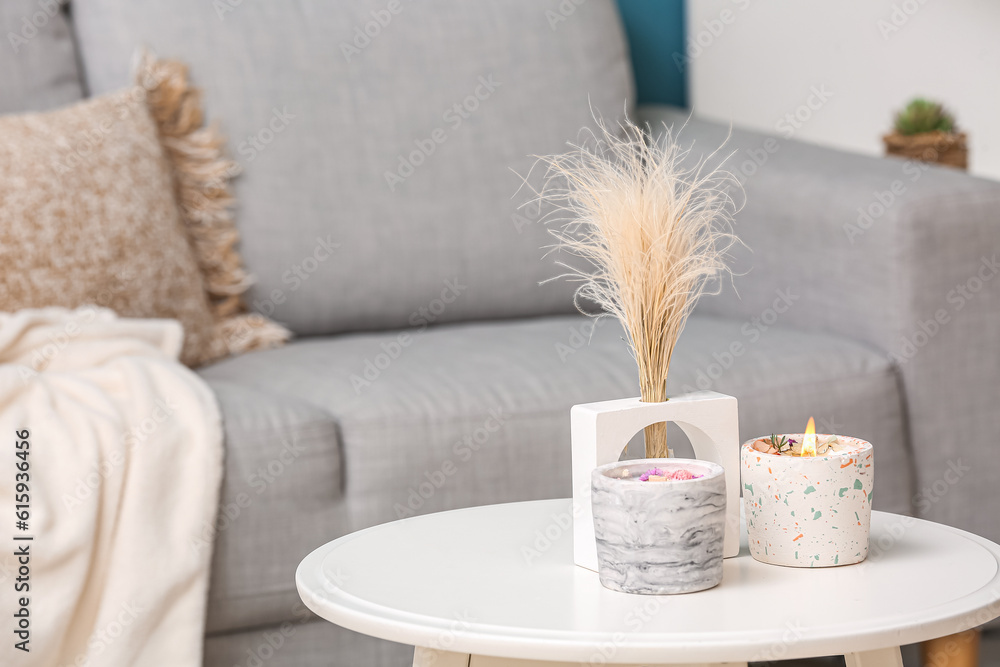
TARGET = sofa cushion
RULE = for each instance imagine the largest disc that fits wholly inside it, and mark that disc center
(472, 414)
(38, 70)
(380, 138)
(280, 492)
(114, 232)
(122, 191)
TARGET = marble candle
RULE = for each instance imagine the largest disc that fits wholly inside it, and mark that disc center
(808, 511)
(659, 525)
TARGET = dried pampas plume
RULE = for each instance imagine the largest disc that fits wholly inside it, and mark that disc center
(653, 228)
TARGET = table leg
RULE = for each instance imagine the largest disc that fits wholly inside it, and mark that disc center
(961, 650)
(883, 657)
(429, 657)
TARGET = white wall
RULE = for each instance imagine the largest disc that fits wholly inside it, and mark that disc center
(753, 62)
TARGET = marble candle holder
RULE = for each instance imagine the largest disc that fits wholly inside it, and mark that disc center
(659, 537)
(805, 511)
(600, 431)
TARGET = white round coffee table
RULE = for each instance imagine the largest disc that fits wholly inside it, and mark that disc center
(496, 585)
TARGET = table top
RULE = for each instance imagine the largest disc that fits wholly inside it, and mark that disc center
(500, 580)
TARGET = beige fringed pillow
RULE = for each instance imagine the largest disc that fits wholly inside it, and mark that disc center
(122, 201)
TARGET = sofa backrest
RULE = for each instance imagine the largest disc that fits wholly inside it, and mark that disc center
(380, 140)
(38, 67)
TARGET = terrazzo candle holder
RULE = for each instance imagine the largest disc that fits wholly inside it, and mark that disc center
(659, 535)
(808, 511)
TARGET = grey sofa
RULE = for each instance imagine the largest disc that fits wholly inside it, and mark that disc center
(380, 142)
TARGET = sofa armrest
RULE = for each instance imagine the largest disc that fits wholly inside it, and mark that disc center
(898, 254)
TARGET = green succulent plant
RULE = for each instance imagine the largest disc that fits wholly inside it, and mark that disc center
(922, 115)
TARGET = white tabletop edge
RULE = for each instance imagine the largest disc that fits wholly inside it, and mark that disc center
(344, 609)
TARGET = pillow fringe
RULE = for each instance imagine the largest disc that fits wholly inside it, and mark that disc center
(201, 176)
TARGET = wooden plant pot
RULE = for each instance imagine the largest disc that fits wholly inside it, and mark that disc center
(938, 147)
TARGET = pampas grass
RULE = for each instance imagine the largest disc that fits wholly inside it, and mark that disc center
(652, 228)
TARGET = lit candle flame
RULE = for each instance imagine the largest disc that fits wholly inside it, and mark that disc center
(809, 441)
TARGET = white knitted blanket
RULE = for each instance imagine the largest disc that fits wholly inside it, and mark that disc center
(111, 456)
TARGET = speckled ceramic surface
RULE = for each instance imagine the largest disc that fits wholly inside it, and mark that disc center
(659, 537)
(808, 511)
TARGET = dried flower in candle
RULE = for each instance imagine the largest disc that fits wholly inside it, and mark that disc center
(782, 443)
(661, 475)
(829, 444)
